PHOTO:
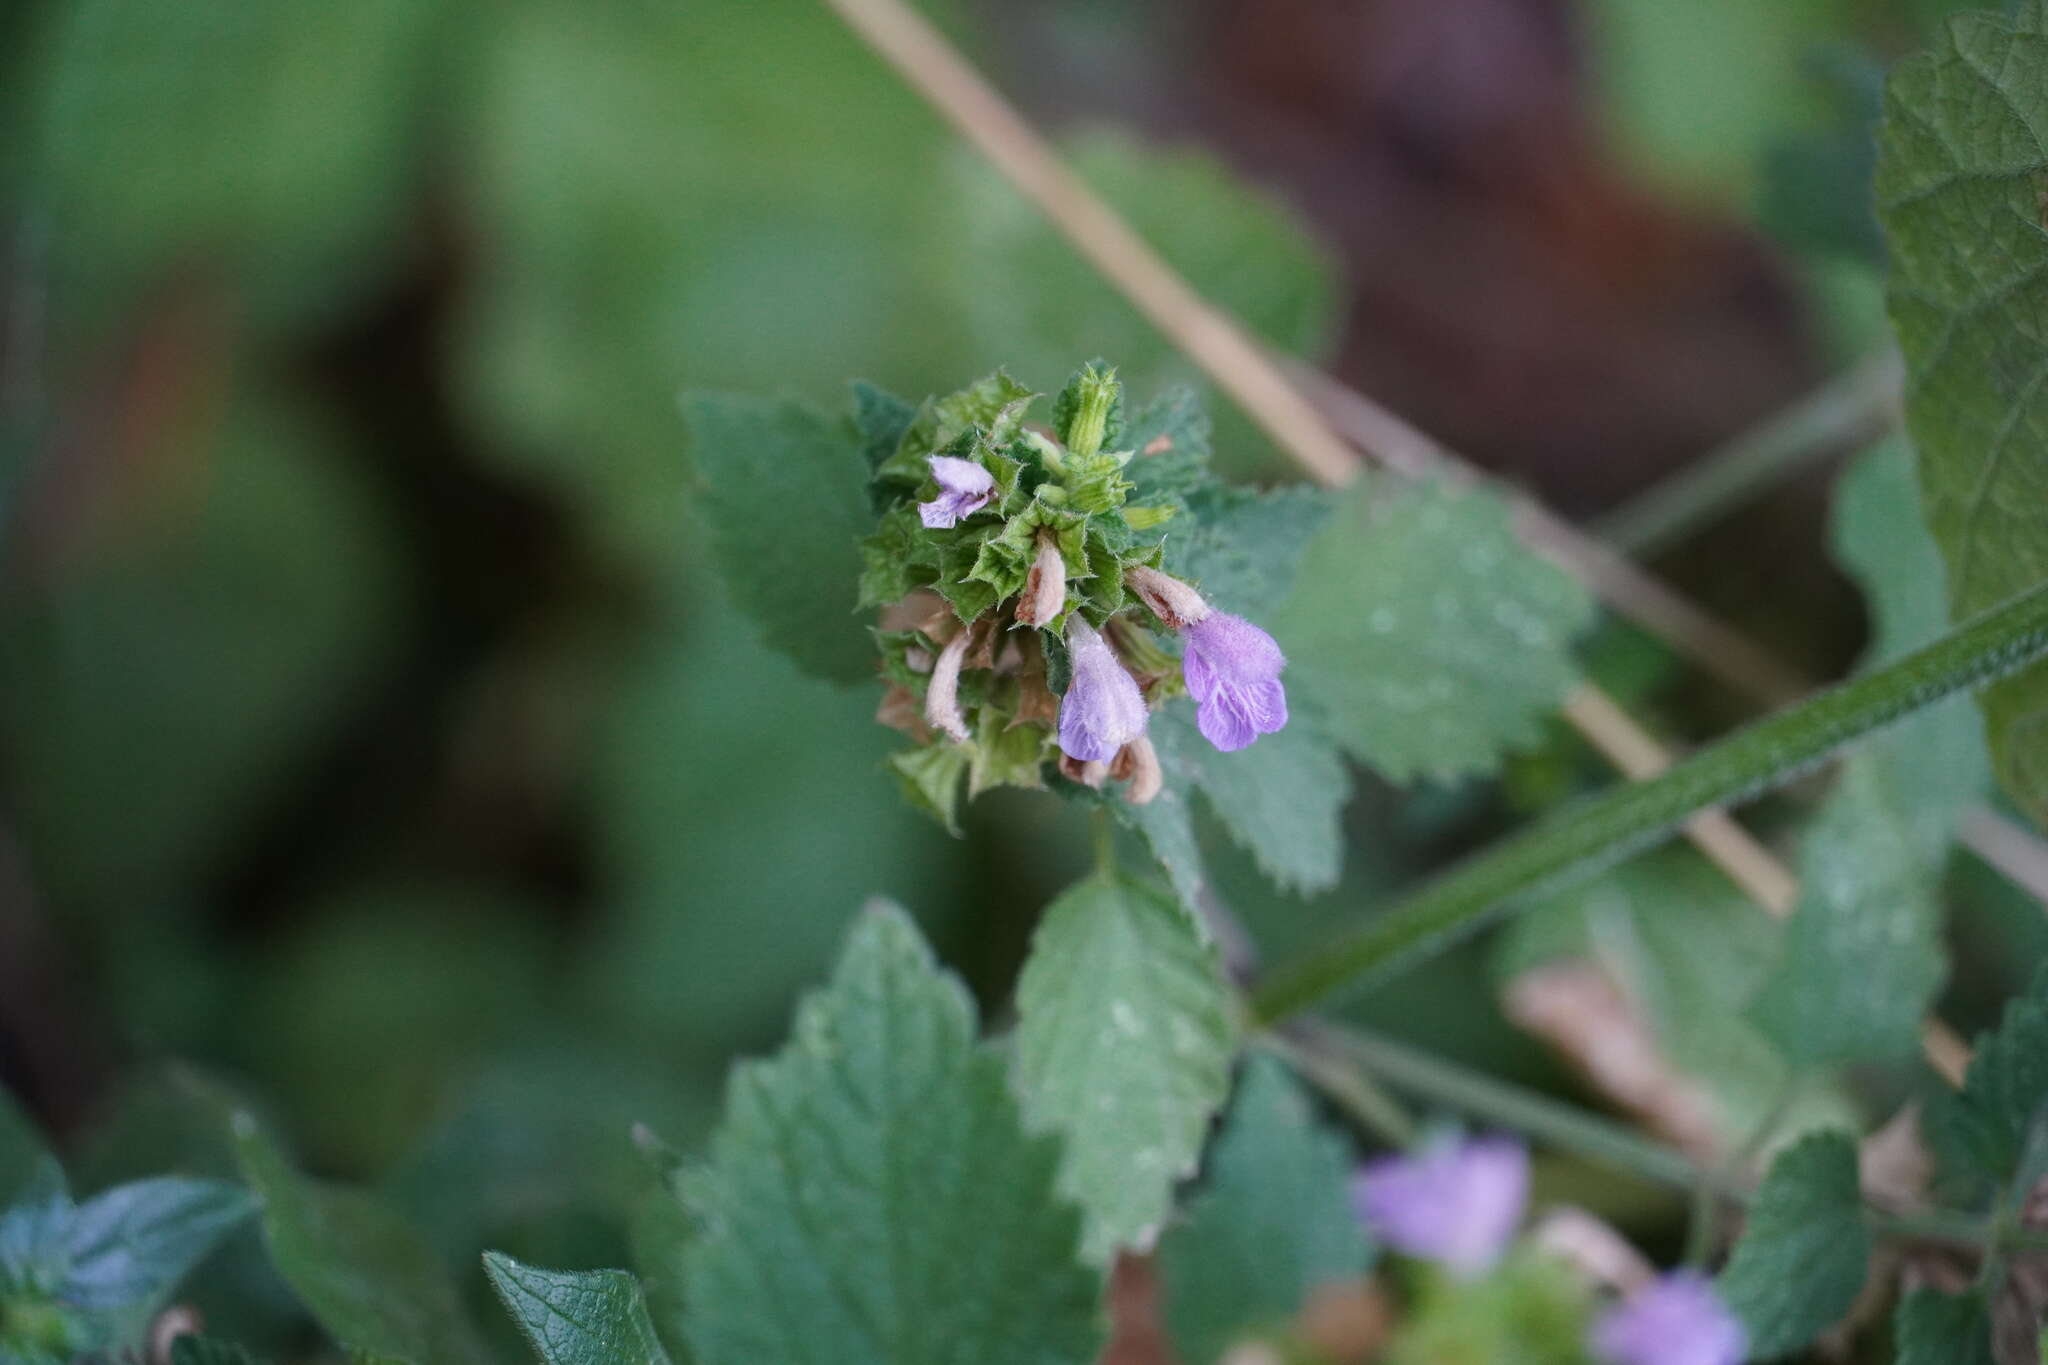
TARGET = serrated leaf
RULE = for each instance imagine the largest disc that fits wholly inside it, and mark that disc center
(1432, 640)
(1167, 824)
(871, 1196)
(1804, 1252)
(1171, 435)
(882, 420)
(360, 1268)
(1960, 190)
(1271, 1224)
(1979, 1134)
(784, 496)
(930, 779)
(939, 422)
(1934, 1328)
(1244, 549)
(1282, 799)
(1862, 952)
(130, 1246)
(577, 1317)
(1123, 1047)
(1935, 761)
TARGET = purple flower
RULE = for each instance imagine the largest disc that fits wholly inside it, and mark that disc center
(1676, 1320)
(1457, 1203)
(1233, 669)
(964, 489)
(1103, 709)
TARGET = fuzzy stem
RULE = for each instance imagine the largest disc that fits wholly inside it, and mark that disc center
(1594, 834)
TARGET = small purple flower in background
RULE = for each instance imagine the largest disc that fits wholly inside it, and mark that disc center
(1233, 671)
(964, 489)
(1676, 1320)
(1456, 1203)
(1103, 709)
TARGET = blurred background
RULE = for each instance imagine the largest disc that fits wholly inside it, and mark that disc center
(377, 750)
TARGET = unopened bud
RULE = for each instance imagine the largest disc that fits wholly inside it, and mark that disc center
(1137, 766)
(1171, 600)
(1087, 772)
(942, 696)
(1045, 587)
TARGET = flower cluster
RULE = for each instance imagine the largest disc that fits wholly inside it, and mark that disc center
(1458, 1204)
(1028, 625)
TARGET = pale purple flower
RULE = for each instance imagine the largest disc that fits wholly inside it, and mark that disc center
(1456, 1203)
(1676, 1320)
(1233, 670)
(1103, 709)
(964, 489)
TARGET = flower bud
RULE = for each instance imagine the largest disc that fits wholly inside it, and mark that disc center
(942, 695)
(1088, 774)
(1137, 766)
(1045, 587)
(1171, 600)
(1103, 709)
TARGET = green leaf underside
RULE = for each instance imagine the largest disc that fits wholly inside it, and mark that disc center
(785, 503)
(1935, 762)
(1282, 799)
(1863, 955)
(1271, 1224)
(577, 1317)
(1123, 1047)
(871, 1196)
(1804, 1252)
(1432, 641)
(1962, 173)
(1934, 1328)
(360, 1268)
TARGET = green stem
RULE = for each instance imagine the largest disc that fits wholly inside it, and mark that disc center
(1598, 832)
(1365, 1103)
(1103, 828)
(1845, 412)
(1505, 1105)
(1700, 1232)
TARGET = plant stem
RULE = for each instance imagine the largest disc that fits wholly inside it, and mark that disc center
(1510, 1106)
(1102, 827)
(1370, 1107)
(1596, 833)
(1843, 413)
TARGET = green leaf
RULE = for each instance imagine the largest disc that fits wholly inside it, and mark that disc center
(1433, 641)
(1244, 549)
(1935, 761)
(131, 1246)
(930, 779)
(1271, 1224)
(22, 1148)
(361, 1269)
(1978, 1135)
(1863, 955)
(940, 422)
(1281, 799)
(784, 497)
(190, 1350)
(1934, 1328)
(577, 1317)
(1123, 1047)
(1805, 1251)
(1960, 188)
(1167, 823)
(872, 1198)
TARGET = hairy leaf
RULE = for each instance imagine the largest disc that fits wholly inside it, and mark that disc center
(1978, 1136)
(784, 494)
(1863, 955)
(1433, 641)
(1281, 799)
(872, 1198)
(1934, 1328)
(359, 1267)
(1272, 1223)
(1960, 188)
(1124, 1042)
(1804, 1252)
(577, 1317)
(130, 1246)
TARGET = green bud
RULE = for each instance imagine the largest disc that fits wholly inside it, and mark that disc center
(1095, 396)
